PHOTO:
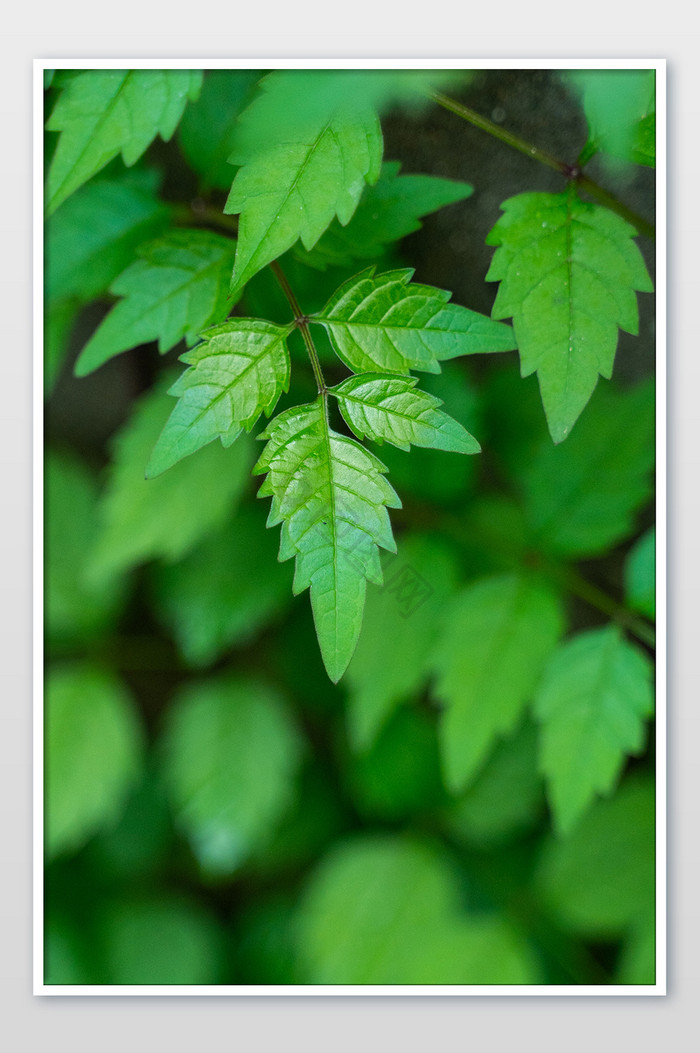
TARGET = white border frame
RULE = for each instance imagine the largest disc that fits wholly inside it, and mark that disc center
(408, 990)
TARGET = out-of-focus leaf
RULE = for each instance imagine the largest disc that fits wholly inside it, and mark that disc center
(331, 497)
(75, 607)
(238, 372)
(264, 938)
(94, 744)
(103, 112)
(92, 238)
(385, 323)
(592, 701)
(166, 939)
(207, 130)
(637, 963)
(498, 635)
(581, 498)
(137, 846)
(176, 288)
(507, 797)
(386, 910)
(600, 881)
(402, 621)
(59, 319)
(387, 212)
(399, 778)
(231, 753)
(616, 103)
(143, 519)
(640, 574)
(64, 956)
(568, 273)
(224, 592)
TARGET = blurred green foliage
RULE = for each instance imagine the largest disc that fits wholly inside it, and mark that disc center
(474, 802)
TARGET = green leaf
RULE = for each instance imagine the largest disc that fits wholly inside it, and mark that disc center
(637, 964)
(224, 592)
(616, 102)
(144, 519)
(382, 323)
(640, 574)
(305, 156)
(94, 744)
(499, 632)
(59, 322)
(175, 289)
(331, 497)
(599, 882)
(93, 236)
(104, 112)
(208, 128)
(506, 799)
(581, 498)
(75, 607)
(238, 372)
(387, 408)
(387, 212)
(168, 939)
(231, 755)
(592, 701)
(386, 910)
(402, 621)
(568, 272)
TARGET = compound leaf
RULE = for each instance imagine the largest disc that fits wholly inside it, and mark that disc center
(92, 238)
(388, 211)
(384, 323)
(162, 518)
(94, 742)
(231, 755)
(305, 156)
(592, 701)
(499, 633)
(103, 112)
(568, 272)
(387, 408)
(331, 497)
(581, 498)
(238, 372)
(640, 574)
(207, 130)
(620, 107)
(177, 287)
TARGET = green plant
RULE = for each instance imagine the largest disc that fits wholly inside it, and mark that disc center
(464, 704)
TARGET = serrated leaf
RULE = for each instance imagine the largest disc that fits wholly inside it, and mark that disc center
(92, 237)
(388, 408)
(224, 592)
(292, 184)
(208, 127)
(331, 497)
(161, 939)
(384, 323)
(231, 754)
(75, 608)
(600, 880)
(142, 519)
(640, 574)
(176, 288)
(388, 211)
(93, 748)
(568, 272)
(104, 112)
(581, 498)
(592, 702)
(402, 621)
(615, 102)
(386, 910)
(499, 633)
(238, 372)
